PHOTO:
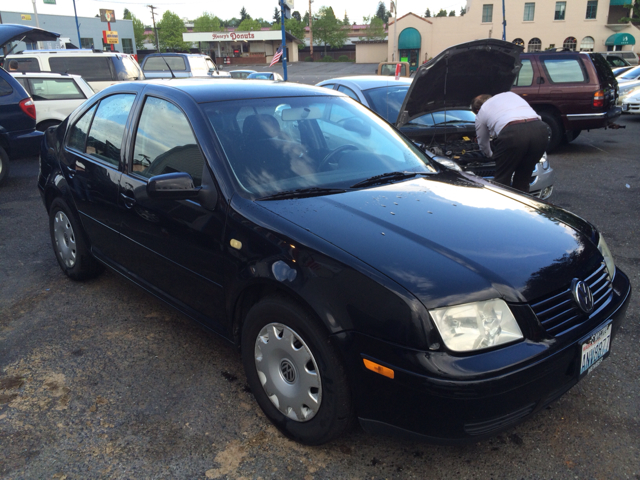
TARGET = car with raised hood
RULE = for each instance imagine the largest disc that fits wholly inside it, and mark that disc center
(438, 116)
(18, 134)
(358, 278)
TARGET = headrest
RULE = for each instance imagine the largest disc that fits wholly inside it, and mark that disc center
(260, 127)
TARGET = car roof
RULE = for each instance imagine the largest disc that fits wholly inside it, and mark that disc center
(223, 89)
(366, 82)
(45, 75)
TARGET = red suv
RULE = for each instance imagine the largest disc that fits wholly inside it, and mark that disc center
(571, 91)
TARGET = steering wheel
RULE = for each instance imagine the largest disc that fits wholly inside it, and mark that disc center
(342, 148)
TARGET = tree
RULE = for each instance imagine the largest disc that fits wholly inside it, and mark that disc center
(327, 30)
(207, 22)
(305, 19)
(345, 20)
(427, 13)
(126, 15)
(442, 13)
(296, 15)
(462, 11)
(374, 30)
(138, 32)
(452, 13)
(382, 13)
(248, 25)
(276, 15)
(635, 14)
(170, 30)
(244, 15)
(294, 27)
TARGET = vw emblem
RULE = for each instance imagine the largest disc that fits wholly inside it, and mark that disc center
(582, 295)
(288, 371)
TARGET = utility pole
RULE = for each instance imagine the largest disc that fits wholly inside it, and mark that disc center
(311, 29)
(153, 17)
(395, 35)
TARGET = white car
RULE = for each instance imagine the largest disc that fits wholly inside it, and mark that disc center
(56, 95)
(631, 102)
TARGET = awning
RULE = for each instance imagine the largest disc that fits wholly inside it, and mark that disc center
(620, 39)
(409, 39)
(620, 2)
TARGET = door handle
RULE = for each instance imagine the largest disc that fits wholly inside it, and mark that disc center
(129, 201)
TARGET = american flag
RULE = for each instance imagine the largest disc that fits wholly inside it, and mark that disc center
(276, 57)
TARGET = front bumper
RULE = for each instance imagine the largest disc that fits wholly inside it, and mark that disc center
(441, 398)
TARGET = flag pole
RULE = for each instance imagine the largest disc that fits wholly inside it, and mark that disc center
(284, 41)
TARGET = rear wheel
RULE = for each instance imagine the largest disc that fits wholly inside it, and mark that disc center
(69, 244)
(555, 129)
(295, 373)
(4, 165)
(571, 135)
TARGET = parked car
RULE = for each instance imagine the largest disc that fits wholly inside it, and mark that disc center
(99, 69)
(630, 75)
(241, 73)
(627, 55)
(616, 61)
(55, 95)
(448, 134)
(631, 101)
(265, 76)
(389, 69)
(358, 278)
(571, 91)
(180, 65)
(620, 70)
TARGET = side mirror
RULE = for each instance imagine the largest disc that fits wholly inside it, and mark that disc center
(172, 186)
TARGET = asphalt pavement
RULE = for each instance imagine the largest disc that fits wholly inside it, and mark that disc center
(98, 379)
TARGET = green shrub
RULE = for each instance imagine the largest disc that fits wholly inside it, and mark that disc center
(327, 58)
(343, 58)
(308, 59)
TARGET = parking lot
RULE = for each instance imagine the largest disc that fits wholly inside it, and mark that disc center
(101, 380)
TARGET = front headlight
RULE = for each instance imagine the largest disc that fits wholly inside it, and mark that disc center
(478, 325)
(544, 161)
(608, 258)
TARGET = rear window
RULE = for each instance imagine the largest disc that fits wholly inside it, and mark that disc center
(55, 89)
(92, 69)
(565, 70)
(127, 68)
(27, 64)
(158, 64)
(387, 101)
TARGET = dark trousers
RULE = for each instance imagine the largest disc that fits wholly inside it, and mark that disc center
(517, 150)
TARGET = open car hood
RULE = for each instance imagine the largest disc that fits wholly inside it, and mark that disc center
(459, 74)
(10, 32)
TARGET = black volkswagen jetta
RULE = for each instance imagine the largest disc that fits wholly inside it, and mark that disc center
(358, 279)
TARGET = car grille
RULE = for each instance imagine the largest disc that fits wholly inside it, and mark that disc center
(560, 313)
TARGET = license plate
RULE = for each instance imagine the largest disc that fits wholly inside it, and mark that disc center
(594, 349)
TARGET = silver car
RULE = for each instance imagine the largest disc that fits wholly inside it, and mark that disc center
(451, 132)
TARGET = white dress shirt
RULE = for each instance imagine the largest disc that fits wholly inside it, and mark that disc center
(496, 113)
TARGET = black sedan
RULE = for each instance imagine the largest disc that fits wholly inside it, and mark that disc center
(358, 278)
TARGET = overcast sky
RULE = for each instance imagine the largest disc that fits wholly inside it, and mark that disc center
(225, 10)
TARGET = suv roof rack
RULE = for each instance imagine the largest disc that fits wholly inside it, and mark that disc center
(63, 50)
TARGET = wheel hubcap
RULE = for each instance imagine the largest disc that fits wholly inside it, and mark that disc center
(288, 372)
(65, 239)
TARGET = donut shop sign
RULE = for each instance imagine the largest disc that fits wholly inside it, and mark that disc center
(232, 36)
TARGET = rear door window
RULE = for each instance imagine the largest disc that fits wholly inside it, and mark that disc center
(107, 129)
(78, 133)
(55, 89)
(5, 87)
(565, 70)
(92, 69)
(525, 77)
(348, 91)
(27, 64)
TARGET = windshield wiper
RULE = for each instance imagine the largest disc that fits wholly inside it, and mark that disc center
(303, 192)
(387, 178)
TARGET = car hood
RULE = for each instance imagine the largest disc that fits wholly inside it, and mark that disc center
(11, 32)
(460, 73)
(452, 242)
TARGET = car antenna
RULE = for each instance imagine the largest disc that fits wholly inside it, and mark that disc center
(167, 64)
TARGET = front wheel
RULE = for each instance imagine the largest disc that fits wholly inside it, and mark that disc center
(69, 244)
(4, 165)
(295, 373)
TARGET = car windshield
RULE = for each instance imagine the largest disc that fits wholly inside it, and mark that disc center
(278, 145)
(446, 117)
(387, 101)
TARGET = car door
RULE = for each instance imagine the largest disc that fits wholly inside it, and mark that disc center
(528, 80)
(172, 247)
(92, 165)
(568, 83)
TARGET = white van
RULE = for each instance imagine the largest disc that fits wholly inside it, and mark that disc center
(99, 69)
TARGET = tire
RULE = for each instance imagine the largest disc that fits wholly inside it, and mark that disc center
(69, 243)
(42, 126)
(295, 373)
(555, 130)
(4, 165)
(571, 135)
